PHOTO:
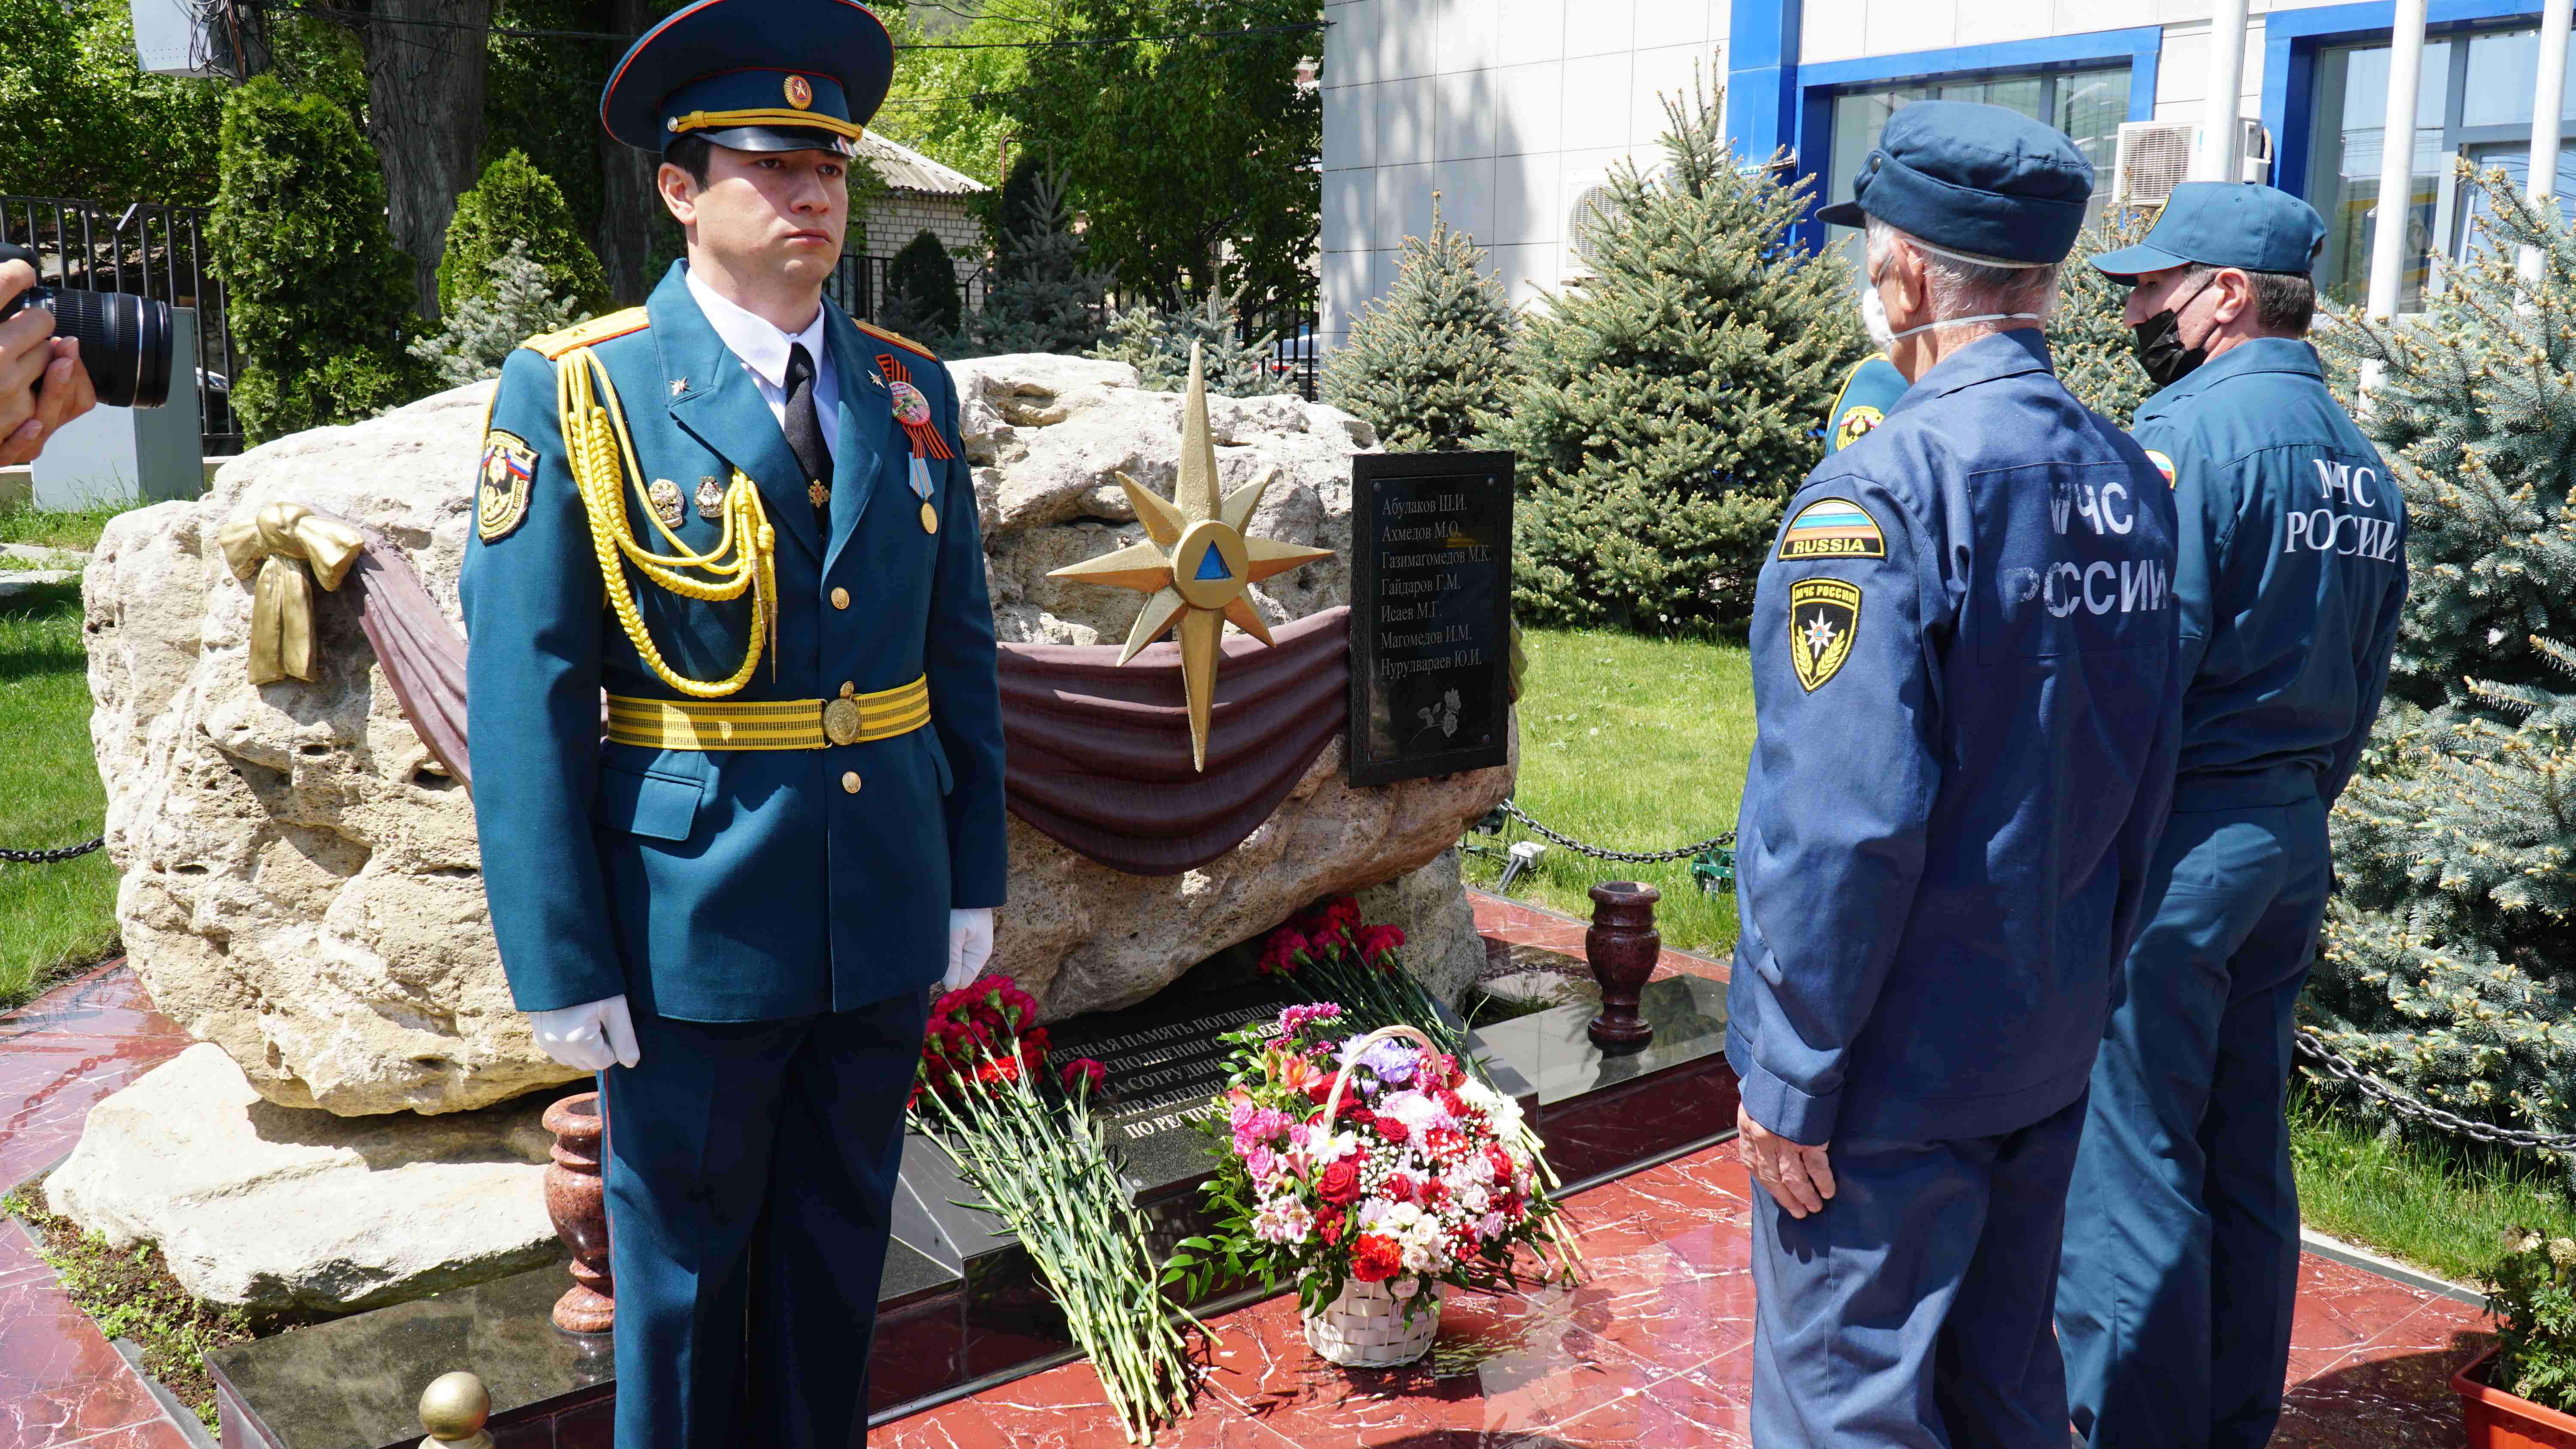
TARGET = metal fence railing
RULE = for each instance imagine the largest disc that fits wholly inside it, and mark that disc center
(149, 250)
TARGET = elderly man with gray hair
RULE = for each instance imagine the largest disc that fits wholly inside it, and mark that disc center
(1963, 668)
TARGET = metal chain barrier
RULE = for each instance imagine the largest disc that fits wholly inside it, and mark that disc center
(2313, 1050)
(49, 857)
(1637, 857)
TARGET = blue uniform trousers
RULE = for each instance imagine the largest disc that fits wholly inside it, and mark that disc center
(751, 1171)
(2182, 1235)
(1912, 1313)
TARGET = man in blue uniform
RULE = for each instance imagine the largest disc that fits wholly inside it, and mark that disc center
(1963, 673)
(748, 521)
(2182, 1234)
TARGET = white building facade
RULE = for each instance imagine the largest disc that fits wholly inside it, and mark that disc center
(1511, 109)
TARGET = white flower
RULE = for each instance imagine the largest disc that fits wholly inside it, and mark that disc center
(1404, 1288)
(1425, 1257)
(1490, 1225)
(1473, 1198)
(1413, 1109)
(1282, 1220)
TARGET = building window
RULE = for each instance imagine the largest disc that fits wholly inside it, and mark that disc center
(2088, 105)
(2474, 101)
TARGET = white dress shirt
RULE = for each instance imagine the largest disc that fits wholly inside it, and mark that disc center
(761, 348)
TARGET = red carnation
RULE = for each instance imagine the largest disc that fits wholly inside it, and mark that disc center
(1340, 1184)
(1084, 1074)
(1376, 942)
(1328, 1224)
(1374, 1259)
(1342, 911)
(1451, 1103)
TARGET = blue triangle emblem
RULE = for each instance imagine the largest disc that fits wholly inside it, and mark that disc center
(1212, 566)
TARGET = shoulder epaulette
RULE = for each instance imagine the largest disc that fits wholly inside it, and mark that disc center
(590, 333)
(894, 337)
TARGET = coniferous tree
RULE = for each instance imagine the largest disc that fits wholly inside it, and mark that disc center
(1157, 344)
(1429, 366)
(1668, 406)
(2449, 961)
(515, 205)
(921, 294)
(482, 330)
(2095, 352)
(319, 296)
(1045, 296)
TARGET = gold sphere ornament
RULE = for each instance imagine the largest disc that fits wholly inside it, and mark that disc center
(454, 1409)
(1195, 562)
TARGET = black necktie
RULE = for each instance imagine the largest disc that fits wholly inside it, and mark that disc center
(805, 427)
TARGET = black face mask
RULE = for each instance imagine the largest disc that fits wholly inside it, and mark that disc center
(2159, 344)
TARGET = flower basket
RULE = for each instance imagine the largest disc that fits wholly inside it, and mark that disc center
(1368, 1327)
(2500, 1420)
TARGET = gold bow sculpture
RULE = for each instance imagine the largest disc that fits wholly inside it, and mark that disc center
(281, 605)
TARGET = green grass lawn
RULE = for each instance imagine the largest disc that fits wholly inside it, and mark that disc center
(2442, 1207)
(1633, 744)
(53, 918)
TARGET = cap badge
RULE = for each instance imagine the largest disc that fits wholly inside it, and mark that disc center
(800, 92)
(910, 408)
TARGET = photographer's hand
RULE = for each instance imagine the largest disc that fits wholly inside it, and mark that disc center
(42, 382)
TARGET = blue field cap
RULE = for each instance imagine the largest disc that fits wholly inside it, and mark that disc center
(2224, 224)
(755, 75)
(1977, 179)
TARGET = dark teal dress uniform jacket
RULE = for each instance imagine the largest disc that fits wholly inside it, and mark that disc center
(775, 931)
(2182, 1236)
(1963, 673)
(747, 885)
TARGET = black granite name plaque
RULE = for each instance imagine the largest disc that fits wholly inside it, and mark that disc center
(1431, 600)
(1166, 1061)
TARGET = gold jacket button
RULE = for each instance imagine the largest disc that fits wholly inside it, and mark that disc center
(850, 782)
(840, 598)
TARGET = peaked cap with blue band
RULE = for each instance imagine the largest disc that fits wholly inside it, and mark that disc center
(1973, 178)
(2224, 224)
(754, 75)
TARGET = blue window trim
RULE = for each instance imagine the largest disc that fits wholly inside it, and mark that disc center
(2292, 38)
(1816, 86)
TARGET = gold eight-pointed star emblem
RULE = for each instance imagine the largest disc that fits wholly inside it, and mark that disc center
(1194, 562)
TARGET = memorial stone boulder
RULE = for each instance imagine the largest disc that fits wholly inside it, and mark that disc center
(300, 881)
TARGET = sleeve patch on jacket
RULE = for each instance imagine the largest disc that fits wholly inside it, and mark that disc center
(1832, 528)
(1823, 615)
(1855, 424)
(502, 500)
(2163, 464)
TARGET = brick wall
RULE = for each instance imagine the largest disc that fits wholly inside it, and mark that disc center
(899, 216)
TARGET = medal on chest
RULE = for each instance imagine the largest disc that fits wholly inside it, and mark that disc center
(912, 410)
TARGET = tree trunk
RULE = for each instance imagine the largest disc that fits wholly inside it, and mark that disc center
(425, 116)
(628, 203)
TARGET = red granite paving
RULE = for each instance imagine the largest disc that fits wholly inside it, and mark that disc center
(61, 1384)
(1652, 1349)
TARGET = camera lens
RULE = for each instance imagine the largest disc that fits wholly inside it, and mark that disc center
(124, 342)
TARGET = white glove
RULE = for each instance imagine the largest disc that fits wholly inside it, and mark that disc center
(970, 945)
(593, 1036)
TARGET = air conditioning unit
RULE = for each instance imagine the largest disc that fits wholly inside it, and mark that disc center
(1591, 199)
(2155, 156)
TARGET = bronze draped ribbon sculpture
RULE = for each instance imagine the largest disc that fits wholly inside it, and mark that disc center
(1099, 754)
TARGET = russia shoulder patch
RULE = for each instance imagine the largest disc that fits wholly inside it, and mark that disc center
(1832, 528)
(2163, 464)
(1824, 614)
(501, 500)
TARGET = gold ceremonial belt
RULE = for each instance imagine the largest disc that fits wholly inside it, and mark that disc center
(778, 724)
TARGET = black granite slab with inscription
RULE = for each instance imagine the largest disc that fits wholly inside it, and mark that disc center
(1431, 598)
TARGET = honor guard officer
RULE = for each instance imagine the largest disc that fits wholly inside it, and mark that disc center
(1963, 673)
(748, 521)
(2182, 1233)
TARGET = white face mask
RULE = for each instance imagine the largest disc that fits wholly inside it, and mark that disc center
(1873, 316)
